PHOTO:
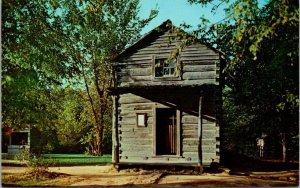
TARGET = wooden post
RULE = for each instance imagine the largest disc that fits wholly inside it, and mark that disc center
(115, 153)
(200, 167)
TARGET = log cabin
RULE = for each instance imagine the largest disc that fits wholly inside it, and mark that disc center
(167, 110)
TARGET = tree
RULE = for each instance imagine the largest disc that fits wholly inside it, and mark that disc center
(261, 44)
(32, 61)
(97, 32)
(73, 120)
(49, 44)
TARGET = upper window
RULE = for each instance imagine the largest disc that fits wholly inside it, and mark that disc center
(165, 67)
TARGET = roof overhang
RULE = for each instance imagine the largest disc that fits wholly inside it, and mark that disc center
(161, 89)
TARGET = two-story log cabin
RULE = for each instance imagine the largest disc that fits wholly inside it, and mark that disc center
(167, 110)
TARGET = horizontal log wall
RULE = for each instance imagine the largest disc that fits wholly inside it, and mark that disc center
(210, 132)
(136, 143)
(200, 64)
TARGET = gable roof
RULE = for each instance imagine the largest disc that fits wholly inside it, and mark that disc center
(162, 27)
(156, 31)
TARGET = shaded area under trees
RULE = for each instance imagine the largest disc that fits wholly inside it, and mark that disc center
(261, 86)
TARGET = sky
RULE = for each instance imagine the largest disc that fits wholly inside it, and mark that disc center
(178, 11)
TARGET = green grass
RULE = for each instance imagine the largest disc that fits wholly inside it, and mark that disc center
(4, 155)
(75, 159)
(66, 160)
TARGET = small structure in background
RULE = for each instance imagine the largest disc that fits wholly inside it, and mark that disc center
(260, 144)
(19, 141)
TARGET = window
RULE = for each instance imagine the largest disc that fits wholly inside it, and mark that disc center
(165, 67)
(141, 120)
(19, 138)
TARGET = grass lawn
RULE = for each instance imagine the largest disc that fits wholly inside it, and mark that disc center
(50, 178)
(66, 160)
(75, 159)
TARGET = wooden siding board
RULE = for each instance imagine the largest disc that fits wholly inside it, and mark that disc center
(130, 78)
(189, 132)
(199, 58)
(150, 51)
(201, 82)
(189, 119)
(199, 75)
(199, 68)
(209, 134)
(132, 58)
(192, 51)
(140, 143)
(133, 130)
(137, 106)
(193, 154)
(132, 99)
(136, 64)
(136, 72)
(127, 142)
(136, 152)
(198, 62)
(209, 142)
(131, 112)
(132, 121)
(193, 127)
(205, 149)
(135, 135)
(209, 126)
(155, 160)
(206, 157)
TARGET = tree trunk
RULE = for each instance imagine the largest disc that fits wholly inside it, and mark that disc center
(284, 152)
(101, 140)
(283, 143)
(98, 139)
(99, 132)
(99, 103)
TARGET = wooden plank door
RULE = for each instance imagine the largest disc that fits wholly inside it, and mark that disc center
(166, 131)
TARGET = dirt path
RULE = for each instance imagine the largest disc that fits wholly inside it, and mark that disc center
(107, 176)
(221, 180)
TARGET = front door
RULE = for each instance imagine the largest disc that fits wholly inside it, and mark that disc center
(166, 131)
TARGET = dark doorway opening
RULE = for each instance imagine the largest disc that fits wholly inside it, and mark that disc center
(166, 139)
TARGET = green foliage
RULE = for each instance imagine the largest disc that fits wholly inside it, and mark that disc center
(31, 45)
(97, 32)
(43, 139)
(289, 102)
(23, 155)
(72, 122)
(38, 166)
(49, 45)
(260, 41)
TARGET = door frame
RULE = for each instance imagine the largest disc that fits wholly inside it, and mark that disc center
(178, 131)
